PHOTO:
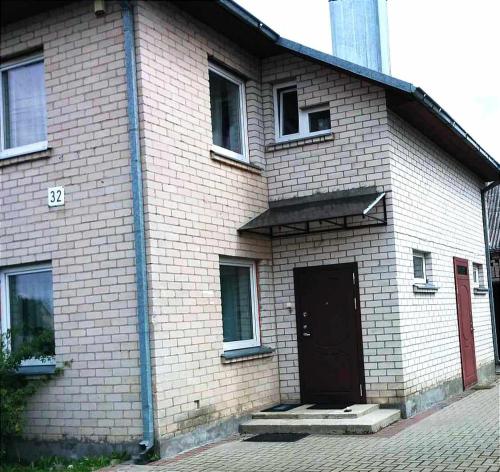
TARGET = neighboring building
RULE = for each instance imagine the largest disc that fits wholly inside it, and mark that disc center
(493, 206)
(365, 194)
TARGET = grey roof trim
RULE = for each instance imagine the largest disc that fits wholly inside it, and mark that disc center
(432, 105)
(364, 73)
(248, 18)
(354, 69)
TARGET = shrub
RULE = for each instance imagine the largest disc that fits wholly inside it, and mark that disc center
(16, 389)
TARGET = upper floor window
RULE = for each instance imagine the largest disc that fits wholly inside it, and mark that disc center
(227, 104)
(23, 111)
(293, 122)
(27, 307)
(240, 321)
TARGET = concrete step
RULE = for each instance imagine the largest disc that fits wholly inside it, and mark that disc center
(303, 412)
(365, 424)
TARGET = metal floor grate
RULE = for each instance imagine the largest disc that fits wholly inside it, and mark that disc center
(282, 407)
(277, 437)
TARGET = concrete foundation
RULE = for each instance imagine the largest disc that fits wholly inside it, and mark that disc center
(29, 449)
(420, 401)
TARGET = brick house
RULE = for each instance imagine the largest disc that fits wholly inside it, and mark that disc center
(273, 176)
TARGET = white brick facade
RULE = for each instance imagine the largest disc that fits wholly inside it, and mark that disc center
(194, 202)
(89, 240)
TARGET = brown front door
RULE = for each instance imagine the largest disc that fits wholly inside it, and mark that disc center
(465, 326)
(329, 334)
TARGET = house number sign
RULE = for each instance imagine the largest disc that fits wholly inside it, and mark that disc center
(55, 196)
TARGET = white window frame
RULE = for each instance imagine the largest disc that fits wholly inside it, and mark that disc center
(255, 341)
(244, 157)
(476, 269)
(28, 148)
(423, 256)
(5, 303)
(303, 117)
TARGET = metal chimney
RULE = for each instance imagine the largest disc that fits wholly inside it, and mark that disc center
(360, 32)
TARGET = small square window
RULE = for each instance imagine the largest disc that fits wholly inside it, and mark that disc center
(23, 106)
(239, 304)
(319, 121)
(227, 105)
(419, 267)
(27, 307)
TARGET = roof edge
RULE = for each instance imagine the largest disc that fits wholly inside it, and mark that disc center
(415, 93)
(346, 66)
(248, 18)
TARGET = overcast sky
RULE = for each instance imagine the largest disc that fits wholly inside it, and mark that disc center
(450, 48)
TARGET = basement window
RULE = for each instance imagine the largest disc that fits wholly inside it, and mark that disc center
(23, 114)
(239, 303)
(293, 122)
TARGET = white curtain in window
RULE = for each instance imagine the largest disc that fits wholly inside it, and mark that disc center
(26, 114)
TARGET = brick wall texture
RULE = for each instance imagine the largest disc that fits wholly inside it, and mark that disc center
(194, 203)
(89, 240)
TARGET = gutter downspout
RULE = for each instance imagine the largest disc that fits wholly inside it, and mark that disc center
(488, 267)
(148, 440)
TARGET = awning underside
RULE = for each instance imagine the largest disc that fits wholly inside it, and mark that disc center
(333, 211)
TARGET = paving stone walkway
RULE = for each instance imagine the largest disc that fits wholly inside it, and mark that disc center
(462, 436)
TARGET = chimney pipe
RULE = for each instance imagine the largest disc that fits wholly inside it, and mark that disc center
(360, 32)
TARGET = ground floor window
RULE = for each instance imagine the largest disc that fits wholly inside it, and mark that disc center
(420, 263)
(27, 307)
(239, 303)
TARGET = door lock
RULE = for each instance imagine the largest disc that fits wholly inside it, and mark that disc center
(305, 314)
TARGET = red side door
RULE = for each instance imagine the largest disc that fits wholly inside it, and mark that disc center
(465, 326)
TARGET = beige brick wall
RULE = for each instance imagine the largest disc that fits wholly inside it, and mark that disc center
(194, 206)
(357, 156)
(437, 209)
(89, 239)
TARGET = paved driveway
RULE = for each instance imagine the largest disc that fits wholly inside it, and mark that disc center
(462, 436)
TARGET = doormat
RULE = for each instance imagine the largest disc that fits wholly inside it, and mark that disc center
(277, 437)
(282, 407)
(329, 406)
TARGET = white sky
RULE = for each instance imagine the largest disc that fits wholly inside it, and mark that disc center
(450, 48)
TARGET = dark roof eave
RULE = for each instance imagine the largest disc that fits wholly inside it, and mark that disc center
(488, 170)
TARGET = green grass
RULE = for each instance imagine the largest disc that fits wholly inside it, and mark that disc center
(58, 464)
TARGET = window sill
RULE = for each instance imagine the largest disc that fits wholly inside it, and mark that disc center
(302, 141)
(481, 290)
(249, 353)
(425, 288)
(235, 163)
(26, 157)
(45, 369)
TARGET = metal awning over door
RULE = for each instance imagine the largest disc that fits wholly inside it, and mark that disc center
(322, 212)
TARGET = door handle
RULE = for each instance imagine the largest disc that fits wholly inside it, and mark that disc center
(306, 334)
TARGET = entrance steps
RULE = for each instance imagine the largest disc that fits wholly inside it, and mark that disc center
(356, 419)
